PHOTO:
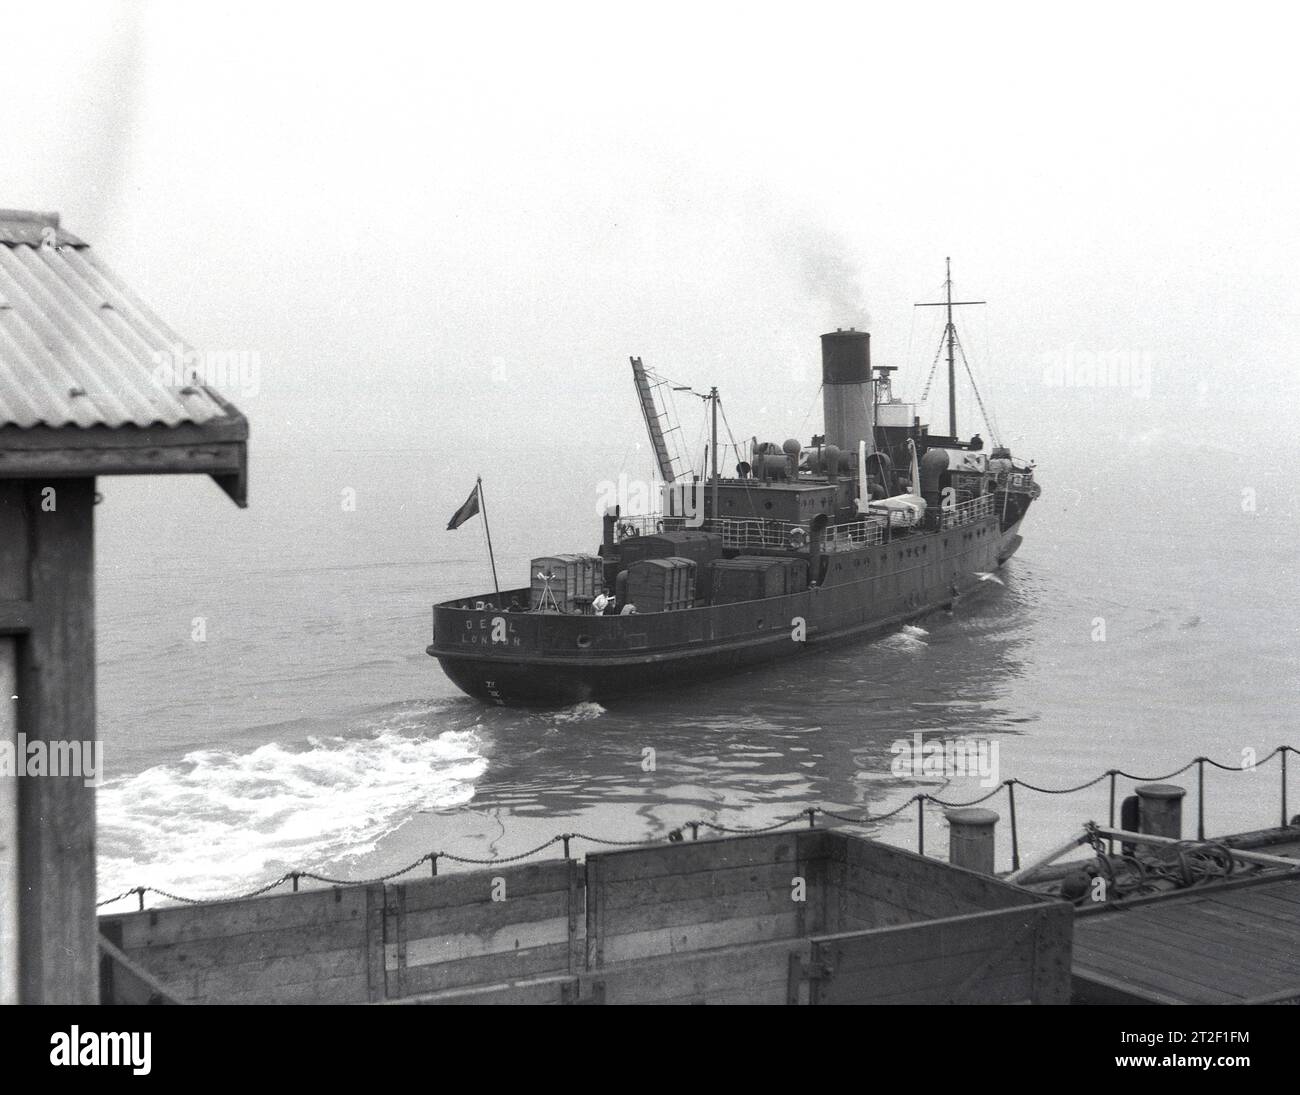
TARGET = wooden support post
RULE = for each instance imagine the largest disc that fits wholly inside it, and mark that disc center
(376, 975)
(9, 880)
(58, 932)
(575, 907)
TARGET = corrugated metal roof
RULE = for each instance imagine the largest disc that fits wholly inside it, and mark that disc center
(77, 346)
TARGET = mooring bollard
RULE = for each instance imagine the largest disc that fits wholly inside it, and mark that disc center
(970, 837)
(1160, 809)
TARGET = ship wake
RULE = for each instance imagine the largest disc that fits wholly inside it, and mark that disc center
(222, 820)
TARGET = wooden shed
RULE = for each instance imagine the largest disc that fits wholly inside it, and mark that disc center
(91, 383)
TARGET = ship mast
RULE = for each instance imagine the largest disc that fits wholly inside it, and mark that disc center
(713, 448)
(711, 454)
(950, 334)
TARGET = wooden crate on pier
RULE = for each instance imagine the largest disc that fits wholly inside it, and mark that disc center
(800, 917)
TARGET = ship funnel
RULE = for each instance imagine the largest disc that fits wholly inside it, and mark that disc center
(848, 401)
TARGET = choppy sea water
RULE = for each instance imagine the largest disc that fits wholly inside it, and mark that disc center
(266, 703)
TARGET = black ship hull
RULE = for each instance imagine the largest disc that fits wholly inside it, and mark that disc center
(532, 659)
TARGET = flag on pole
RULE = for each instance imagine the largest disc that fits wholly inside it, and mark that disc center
(466, 511)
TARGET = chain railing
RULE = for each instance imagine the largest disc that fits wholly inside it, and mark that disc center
(808, 814)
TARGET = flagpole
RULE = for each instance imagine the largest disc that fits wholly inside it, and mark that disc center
(487, 528)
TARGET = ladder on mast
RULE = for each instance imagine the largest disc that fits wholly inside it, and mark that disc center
(650, 412)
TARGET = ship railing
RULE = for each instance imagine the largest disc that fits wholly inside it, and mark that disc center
(745, 532)
(642, 524)
(851, 534)
(1016, 480)
(963, 513)
(736, 532)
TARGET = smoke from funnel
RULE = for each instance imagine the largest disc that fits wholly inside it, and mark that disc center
(831, 277)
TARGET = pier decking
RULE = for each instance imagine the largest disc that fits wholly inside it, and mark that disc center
(1229, 943)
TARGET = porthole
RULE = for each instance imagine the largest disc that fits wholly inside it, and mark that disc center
(584, 641)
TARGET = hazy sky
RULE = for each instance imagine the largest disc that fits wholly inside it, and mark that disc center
(444, 229)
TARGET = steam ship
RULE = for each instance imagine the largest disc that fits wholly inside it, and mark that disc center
(875, 522)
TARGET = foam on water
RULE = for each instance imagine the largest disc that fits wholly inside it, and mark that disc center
(909, 639)
(579, 712)
(222, 820)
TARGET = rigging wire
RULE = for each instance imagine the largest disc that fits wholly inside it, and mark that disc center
(988, 422)
(811, 405)
(990, 357)
(701, 443)
(911, 333)
(749, 492)
(925, 392)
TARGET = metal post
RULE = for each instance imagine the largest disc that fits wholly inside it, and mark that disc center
(139, 892)
(971, 838)
(565, 838)
(1200, 798)
(812, 816)
(1015, 836)
(952, 370)
(1160, 809)
(294, 876)
(1110, 841)
(950, 334)
(433, 862)
(1284, 751)
(488, 530)
(713, 449)
(920, 824)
